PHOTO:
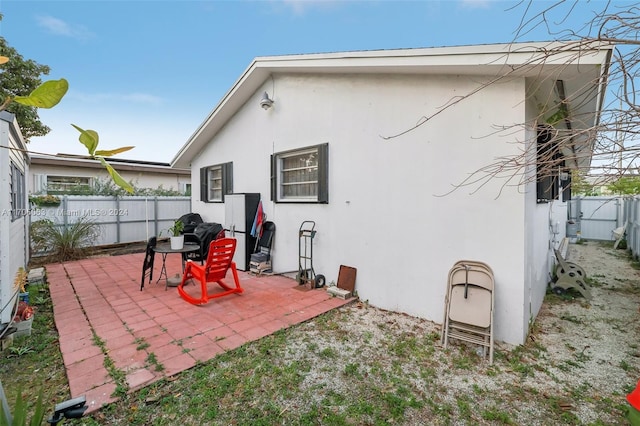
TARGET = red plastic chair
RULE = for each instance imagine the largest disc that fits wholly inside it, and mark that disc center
(219, 260)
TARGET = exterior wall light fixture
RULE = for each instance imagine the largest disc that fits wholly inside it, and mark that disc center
(266, 102)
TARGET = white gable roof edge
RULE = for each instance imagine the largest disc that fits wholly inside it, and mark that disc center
(493, 59)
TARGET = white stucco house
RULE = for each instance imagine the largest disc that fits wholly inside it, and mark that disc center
(14, 223)
(63, 172)
(316, 147)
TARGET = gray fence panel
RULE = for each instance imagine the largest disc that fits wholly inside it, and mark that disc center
(137, 231)
(121, 219)
(167, 212)
(598, 216)
(632, 219)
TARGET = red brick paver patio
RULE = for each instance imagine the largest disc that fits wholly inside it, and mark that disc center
(101, 297)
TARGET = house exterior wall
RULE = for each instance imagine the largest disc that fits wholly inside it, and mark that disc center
(14, 232)
(391, 213)
(140, 179)
(545, 227)
(537, 222)
(539, 254)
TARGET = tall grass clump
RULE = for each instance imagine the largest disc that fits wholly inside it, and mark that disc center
(62, 242)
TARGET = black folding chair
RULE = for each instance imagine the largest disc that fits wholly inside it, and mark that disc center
(260, 260)
(147, 265)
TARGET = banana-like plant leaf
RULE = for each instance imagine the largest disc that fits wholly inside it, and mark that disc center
(47, 95)
(117, 179)
(88, 138)
(109, 153)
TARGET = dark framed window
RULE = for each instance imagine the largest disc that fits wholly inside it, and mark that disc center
(18, 203)
(549, 163)
(301, 175)
(215, 182)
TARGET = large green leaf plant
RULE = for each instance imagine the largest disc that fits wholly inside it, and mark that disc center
(49, 94)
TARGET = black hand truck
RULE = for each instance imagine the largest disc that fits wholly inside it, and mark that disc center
(306, 273)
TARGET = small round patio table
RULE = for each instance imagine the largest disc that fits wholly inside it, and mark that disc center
(164, 249)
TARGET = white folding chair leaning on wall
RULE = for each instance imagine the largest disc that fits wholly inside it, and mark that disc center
(469, 305)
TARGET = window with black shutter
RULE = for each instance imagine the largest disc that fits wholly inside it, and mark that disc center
(215, 182)
(301, 175)
(549, 162)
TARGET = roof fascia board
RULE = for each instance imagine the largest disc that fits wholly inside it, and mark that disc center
(502, 54)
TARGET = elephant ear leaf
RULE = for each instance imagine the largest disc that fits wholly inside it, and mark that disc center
(117, 179)
(88, 138)
(47, 95)
(111, 152)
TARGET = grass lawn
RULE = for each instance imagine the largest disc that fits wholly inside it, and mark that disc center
(360, 365)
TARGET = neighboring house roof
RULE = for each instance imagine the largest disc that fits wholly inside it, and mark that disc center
(580, 66)
(119, 164)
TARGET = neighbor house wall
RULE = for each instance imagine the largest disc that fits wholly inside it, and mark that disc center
(393, 213)
(141, 179)
(14, 232)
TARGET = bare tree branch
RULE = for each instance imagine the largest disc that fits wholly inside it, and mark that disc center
(612, 146)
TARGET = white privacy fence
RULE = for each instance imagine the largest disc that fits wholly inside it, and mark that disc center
(632, 220)
(121, 219)
(596, 217)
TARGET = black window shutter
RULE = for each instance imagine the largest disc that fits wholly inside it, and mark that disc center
(273, 178)
(323, 173)
(566, 187)
(544, 181)
(227, 179)
(204, 193)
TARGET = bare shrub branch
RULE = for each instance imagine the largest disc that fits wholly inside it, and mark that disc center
(610, 147)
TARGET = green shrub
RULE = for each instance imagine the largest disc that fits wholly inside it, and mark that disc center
(44, 200)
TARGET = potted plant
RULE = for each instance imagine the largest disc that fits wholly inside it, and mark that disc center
(23, 318)
(177, 239)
